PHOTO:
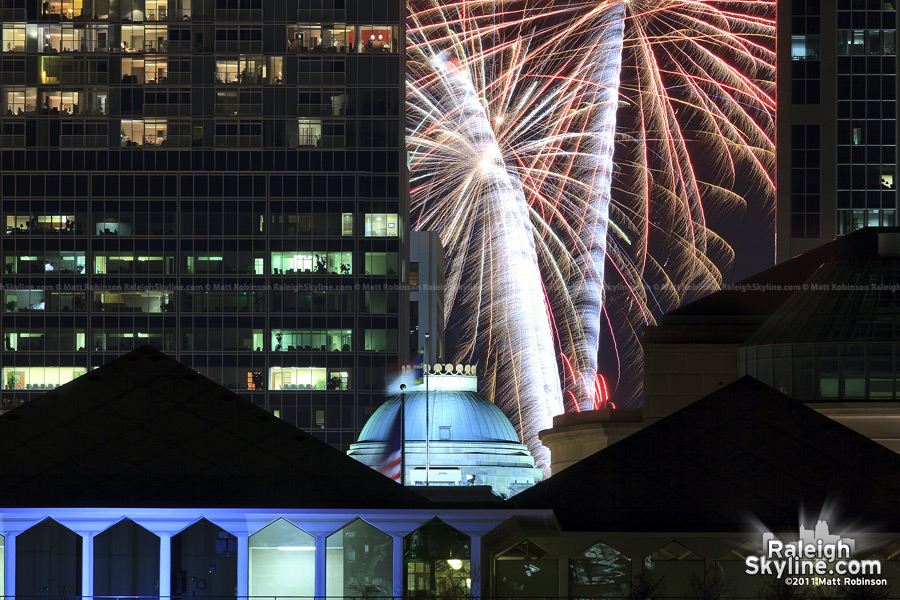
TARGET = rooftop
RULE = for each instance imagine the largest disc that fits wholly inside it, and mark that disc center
(146, 431)
(744, 454)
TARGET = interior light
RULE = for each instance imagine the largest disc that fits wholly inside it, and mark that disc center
(295, 548)
(455, 563)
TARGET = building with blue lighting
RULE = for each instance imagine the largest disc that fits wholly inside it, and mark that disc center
(143, 478)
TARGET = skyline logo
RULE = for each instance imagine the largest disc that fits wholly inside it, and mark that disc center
(816, 558)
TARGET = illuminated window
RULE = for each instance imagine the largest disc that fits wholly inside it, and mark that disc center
(309, 132)
(320, 38)
(144, 132)
(143, 302)
(63, 263)
(18, 100)
(309, 378)
(805, 47)
(382, 224)
(282, 561)
(321, 340)
(53, 340)
(145, 38)
(147, 70)
(39, 378)
(297, 378)
(273, 71)
(105, 264)
(40, 224)
(376, 38)
(359, 562)
(437, 562)
(347, 224)
(13, 37)
(157, 10)
(286, 263)
(245, 69)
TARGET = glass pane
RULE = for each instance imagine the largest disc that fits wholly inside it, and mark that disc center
(359, 562)
(282, 561)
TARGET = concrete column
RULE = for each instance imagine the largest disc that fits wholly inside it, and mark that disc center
(243, 566)
(9, 566)
(476, 566)
(399, 563)
(165, 566)
(87, 565)
(320, 566)
(563, 580)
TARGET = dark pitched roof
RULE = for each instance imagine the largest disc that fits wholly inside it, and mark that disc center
(147, 431)
(846, 301)
(755, 298)
(745, 452)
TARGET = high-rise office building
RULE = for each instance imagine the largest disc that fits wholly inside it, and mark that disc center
(837, 120)
(221, 179)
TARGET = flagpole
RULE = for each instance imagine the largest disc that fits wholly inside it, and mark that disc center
(427, 453)
(402, 434)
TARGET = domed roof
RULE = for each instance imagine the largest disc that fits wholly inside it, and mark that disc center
(454, 415)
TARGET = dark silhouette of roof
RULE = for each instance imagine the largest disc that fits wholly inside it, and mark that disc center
(742, 454)
(845, 302)
(146, 431)
(752, 300)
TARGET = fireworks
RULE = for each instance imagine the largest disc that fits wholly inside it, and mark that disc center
(513, 110)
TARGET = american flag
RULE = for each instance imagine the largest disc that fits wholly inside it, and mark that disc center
(391, 461)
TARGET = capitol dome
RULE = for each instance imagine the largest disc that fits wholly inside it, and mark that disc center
(460, 416)
(470, 440)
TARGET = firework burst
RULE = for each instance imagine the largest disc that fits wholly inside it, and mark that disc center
(517, 111)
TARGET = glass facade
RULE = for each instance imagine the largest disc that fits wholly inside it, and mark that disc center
(222, 181)
(826, 372)
(677, 567)
(866, 116)
(437, 561)
(358, 562)
(837, 120)
(282, 561)
(600, 571)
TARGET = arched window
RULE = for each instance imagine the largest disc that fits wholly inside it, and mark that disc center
(282, 561)
(204, 561)
(48, 561)
(677, 567)
(526, 570)
(126, 561)
(600, 571)
(437, 563)
(731, 568)
(359, 561)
